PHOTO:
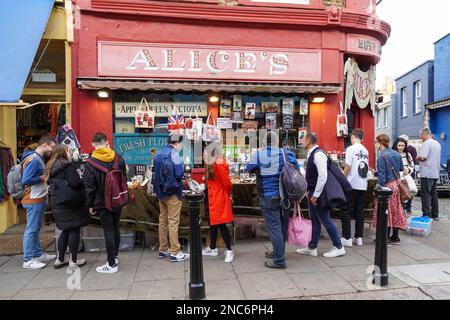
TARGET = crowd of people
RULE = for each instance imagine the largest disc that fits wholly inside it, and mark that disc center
(75, 196)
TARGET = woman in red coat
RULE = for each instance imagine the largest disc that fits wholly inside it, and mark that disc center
(219, 200)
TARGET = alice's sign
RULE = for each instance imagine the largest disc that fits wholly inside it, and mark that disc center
(172, 61)
(161, 109)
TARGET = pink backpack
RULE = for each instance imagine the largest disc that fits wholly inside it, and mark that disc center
(299, 230)
(116, 189)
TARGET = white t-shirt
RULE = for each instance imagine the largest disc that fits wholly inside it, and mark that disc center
(354, 155)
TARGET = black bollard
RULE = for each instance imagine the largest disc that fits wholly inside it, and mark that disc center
(380, 274)
(196, 284)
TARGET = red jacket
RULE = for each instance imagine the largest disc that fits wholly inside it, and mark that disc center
(219, 192)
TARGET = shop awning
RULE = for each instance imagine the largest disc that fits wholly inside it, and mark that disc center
(22, 24)
(438, 104)
(204, 86)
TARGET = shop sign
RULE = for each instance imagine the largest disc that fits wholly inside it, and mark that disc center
(365, 45)
(135, 148)
(161, 109)
(148, 60)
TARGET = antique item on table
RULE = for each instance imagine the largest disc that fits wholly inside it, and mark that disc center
(271, 121)
(304, 106)
(211, 133)
(236, 117)
(144, 117)
(237, 104)
(225, 108)
(270, 107)
(250, 110)
(249, 126)
(301, 135)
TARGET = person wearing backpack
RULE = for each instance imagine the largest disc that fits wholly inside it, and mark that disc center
(356, 169)
(35, 201)
(68, 204)
(168, 186)
(317, 177)
(106, 193)
(268, 164)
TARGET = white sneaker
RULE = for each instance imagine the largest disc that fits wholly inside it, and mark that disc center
(79, 263)
(116, 260)
(45, 257)
(358, 241)
(307, 251)
(106, 268)
(229, 256)
(179, 257)
(334, 252)
(33, 264)
(347, 243)
(210, 252)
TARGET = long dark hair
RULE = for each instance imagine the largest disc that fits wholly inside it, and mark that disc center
(59, 152)
(394, 147)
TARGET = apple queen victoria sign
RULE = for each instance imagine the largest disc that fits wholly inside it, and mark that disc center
(146, 60)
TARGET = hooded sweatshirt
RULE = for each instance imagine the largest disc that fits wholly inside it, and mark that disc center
(32, 170)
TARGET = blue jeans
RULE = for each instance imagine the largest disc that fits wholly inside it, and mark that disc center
(320, 216)
(277, 221)
(31, 240)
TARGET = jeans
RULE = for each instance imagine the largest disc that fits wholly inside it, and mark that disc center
(110, 224)
(320, 215)
(31, 240)
(356, 207)
(277, 220)
(408, 204)
(429, 196)
(72, 239)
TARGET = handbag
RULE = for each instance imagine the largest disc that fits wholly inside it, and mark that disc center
(211, 133)
(299, 229)
(144, 119)
(413, 190)
(405, 194)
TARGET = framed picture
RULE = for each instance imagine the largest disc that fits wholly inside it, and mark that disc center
(250, 110)
(225, 108)
(249, 126)
(301, 135)
(304, 106)
(237, 103)
(288, 106)
(270, 107)
(288, 121)
(236, 117)
(271, 121)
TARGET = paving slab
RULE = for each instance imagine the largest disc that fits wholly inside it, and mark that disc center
(4, 259)
(420, 251)
(437, 292)
(11, 283)
(224, 290)
(366, 285)
(113, 294)
(14, 264)
(61, 278)
(158, 290)
(268, 285)
(424, 274)
(251, 246)
(395, 257)
(396, 294)
(215, 268)
(120, 280)
(320, 283)
(44, 294)
(351, 258)
(249, 262)
(125, 257)
(354, 273)
(151, 268)
(300, 263)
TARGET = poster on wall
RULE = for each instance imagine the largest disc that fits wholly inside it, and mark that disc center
(271, 121)
(237, 103)
(250, 110)
(225, 108)
(288, 121)
(236, 117)
(301, 135)
(288, 106)
(304, 105)
(224, 123)
(249, 126)
(270, 107)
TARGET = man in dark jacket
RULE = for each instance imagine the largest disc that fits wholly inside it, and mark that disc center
(268, 165)
(94, 182)
(317, 176)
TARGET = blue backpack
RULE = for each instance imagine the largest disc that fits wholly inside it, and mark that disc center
(167, 180)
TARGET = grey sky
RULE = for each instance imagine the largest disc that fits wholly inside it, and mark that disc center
(416, 25)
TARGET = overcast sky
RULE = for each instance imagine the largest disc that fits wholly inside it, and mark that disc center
(416, 25)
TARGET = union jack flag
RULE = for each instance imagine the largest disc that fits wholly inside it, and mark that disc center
(176, 124)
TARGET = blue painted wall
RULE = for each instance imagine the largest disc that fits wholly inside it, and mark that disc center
(442, 69)
(440, 126)
(412, 123)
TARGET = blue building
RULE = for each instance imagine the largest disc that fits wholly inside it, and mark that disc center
(438, 112)
(415, 89)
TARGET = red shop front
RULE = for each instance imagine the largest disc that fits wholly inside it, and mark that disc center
(186, 54)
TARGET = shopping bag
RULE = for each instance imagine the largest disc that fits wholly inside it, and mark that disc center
(144, 118)
(194, 127)
(176, 123)
(299, 230)
(211, 133)
(342, 123)
(411, 185)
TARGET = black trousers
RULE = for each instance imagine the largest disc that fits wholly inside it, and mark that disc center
(110, 223)
(355, 207)
(225, 235)
(69, 238)
(429, 197)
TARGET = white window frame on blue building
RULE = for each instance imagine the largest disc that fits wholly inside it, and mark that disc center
(404, 97)
(418, 97)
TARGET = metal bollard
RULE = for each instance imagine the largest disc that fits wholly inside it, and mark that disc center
(380, 274)
(196, 284)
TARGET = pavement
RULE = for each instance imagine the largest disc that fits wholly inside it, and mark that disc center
(419, 268)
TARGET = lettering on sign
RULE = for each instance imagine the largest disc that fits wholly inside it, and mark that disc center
(162, 109)
(363, 45)
(208, 62)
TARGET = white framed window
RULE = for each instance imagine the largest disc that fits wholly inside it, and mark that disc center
(404, 97)
(385, 117)
(417, 97)
(378, 119)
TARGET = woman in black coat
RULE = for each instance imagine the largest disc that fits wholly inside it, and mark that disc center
(67, 201)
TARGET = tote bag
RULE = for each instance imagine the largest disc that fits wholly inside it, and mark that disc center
(211, 133)
(144, 119)
(299, 230)
(194, 128)
(342, 123)
(176, 123)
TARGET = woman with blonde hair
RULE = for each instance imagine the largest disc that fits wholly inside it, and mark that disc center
(389, 166)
